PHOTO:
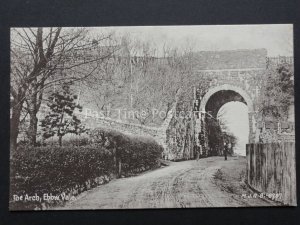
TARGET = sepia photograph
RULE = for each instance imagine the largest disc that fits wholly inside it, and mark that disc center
(151, 117)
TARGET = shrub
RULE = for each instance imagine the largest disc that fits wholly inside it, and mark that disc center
(70, 169)
(78, 140)
(57, 170)
(136, 153)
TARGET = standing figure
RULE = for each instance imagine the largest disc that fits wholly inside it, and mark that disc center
(197, 152)
(229, 148)
(200, 151)
(225, 150)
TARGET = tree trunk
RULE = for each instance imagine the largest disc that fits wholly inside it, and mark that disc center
(14, 124)
(34, 104)
(32, 131)
(31, 105)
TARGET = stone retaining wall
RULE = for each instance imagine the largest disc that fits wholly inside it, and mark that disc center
(158, 133)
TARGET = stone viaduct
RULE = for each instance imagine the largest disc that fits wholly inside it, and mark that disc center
(227, 76)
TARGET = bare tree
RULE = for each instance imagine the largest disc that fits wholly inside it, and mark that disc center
(157, 79)
(44, 57)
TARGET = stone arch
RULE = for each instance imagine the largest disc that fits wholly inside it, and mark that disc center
(245, 98)
(227, 87)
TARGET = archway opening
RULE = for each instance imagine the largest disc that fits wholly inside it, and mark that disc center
(220, 98)
(234, 119)
(227, 121)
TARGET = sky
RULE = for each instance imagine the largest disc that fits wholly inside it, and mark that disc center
(276, 38)
(236, 116)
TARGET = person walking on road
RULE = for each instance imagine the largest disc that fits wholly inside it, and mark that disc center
(225, 150)
(198, 150)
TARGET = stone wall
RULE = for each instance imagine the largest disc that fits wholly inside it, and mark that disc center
(176, 134)
(231, 59)
(249, 80)
(274, 131)
(180, 139)
(158, 133)
(240, 71)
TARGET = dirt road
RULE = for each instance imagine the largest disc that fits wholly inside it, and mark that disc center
(209, 182)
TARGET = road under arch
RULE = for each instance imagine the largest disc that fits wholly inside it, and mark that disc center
(217, 96)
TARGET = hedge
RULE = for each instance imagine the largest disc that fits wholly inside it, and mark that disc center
(57, 171)
(136, 153)
(70, 170)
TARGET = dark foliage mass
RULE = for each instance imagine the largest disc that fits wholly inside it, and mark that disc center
(278, 92)
(61, 119)
(70, 170)
(134, 152)
(57, 170)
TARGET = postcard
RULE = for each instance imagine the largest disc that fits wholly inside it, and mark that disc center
(152, 117)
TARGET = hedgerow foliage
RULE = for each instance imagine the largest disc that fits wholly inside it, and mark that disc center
(58, 170)
(136, 153)
(70, 170)
(277, 92)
